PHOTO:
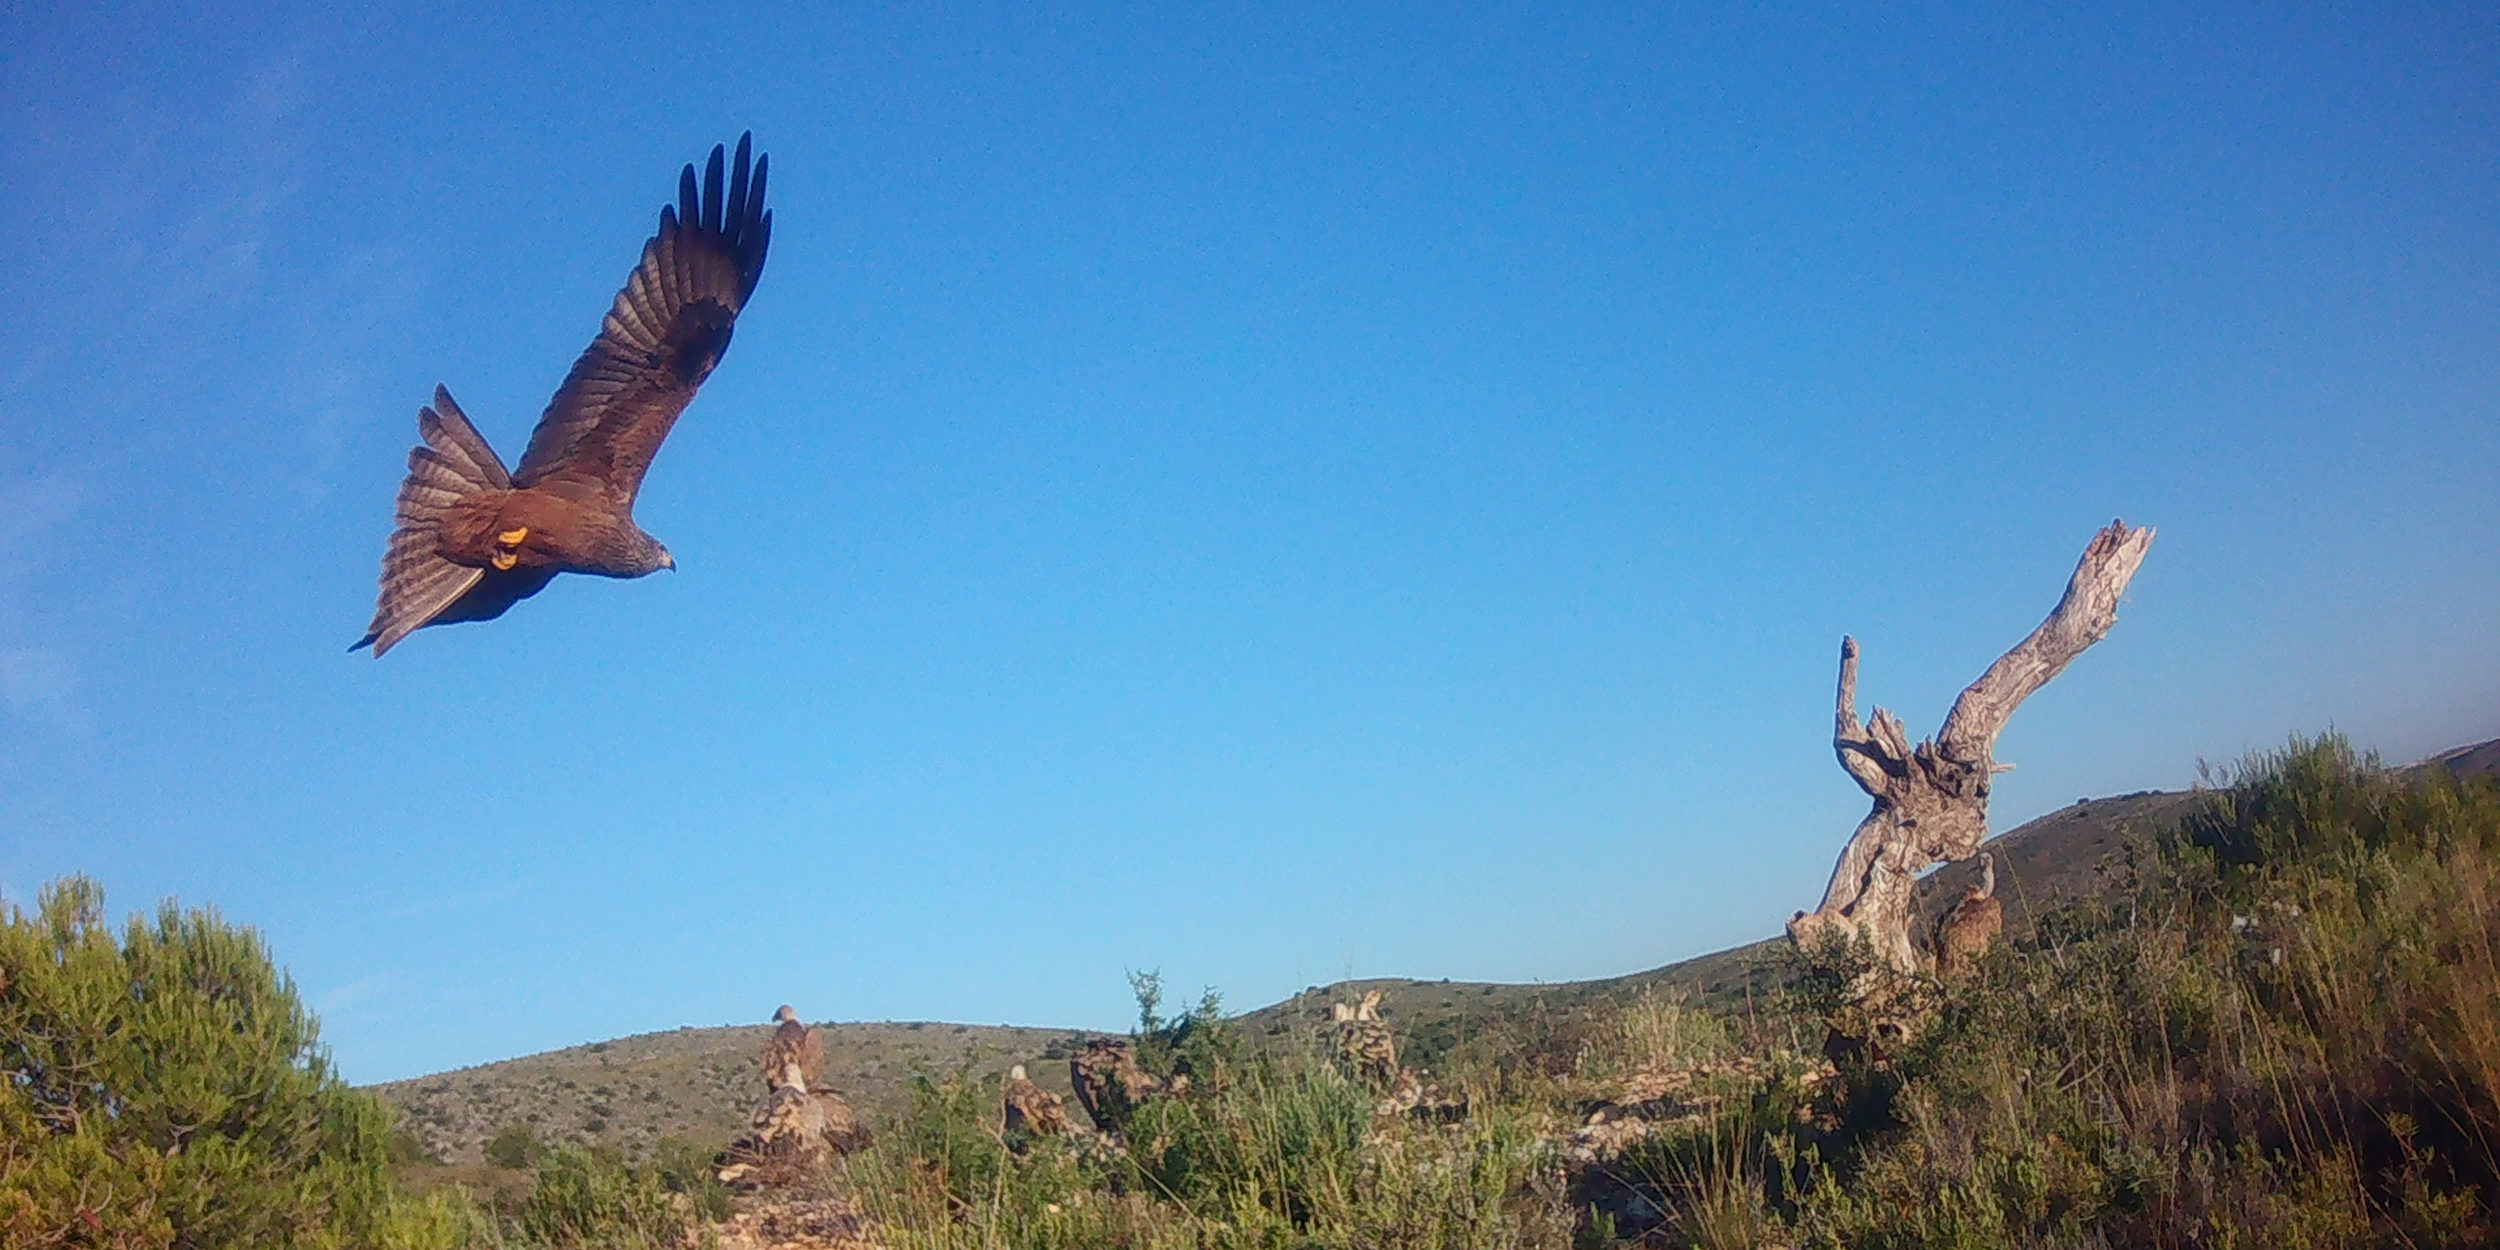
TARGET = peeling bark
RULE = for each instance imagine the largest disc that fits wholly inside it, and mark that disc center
(1931, 800)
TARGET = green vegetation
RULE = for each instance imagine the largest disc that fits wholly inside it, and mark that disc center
(2285, 1031)
(1273, 1147)
(588, 1198)
(2281, 1028)
(2277, 1023)
(165, 1087)
(515, 1147)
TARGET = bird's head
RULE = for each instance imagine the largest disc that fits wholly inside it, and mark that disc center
(785, 1015)
(632, 553)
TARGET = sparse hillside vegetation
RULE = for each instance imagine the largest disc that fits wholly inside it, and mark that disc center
(2281, 1029)
(2267, 1014)
(698, 1084)
(633, 1094)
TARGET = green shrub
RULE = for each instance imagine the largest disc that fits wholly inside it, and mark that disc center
(686, 1168)
(950, 1133)
(446, 1219)
(515, 1146)
(588, 1197)
(165, 1086)
(1272, 1148)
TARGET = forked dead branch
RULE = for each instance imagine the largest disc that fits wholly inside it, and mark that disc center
(1931, 800)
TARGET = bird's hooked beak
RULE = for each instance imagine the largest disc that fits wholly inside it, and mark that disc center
(667, 561)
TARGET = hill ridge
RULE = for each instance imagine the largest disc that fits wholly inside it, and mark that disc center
(698, 1083)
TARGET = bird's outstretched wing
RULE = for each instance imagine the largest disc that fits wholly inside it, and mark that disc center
(666, 331)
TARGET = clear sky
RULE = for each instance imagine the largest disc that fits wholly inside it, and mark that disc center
(1262, 495)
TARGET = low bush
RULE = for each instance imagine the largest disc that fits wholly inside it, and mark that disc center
(1272, 1147)
(587, 1197)
(163, 1085)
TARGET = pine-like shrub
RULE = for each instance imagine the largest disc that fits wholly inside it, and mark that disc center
(164, 1086)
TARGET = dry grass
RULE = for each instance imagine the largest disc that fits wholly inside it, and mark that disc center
(2281, 1029)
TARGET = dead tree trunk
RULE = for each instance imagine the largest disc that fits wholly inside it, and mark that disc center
(1931, 801)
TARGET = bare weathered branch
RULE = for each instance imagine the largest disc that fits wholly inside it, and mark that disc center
(1931, 801)
(1892, 743)
(1845, 715)
(1849, 739)
(1856, 860)
(2081, 618)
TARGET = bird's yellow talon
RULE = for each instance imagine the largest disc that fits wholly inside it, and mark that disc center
(513, 537)
(505, 560)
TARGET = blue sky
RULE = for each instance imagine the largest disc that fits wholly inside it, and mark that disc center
(1265, 495)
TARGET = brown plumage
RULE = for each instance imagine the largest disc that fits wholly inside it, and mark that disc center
(1032, 1110)
(1365, 1040)
(472, 539)
(1109, 1081)
(792, 1056)
(793, 1128)
(1964, 933)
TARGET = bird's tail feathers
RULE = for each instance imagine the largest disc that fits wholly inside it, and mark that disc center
(456, 448)
(452, 463)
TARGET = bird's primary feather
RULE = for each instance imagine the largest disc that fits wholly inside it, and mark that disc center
(665, 332)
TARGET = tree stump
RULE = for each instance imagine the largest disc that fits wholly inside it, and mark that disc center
(1931, 800)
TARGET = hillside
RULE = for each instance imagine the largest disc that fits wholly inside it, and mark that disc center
(2062, 855)
(698, 1084)
(693, 1084)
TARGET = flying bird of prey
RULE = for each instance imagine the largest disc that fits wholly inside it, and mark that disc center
(473, 539)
